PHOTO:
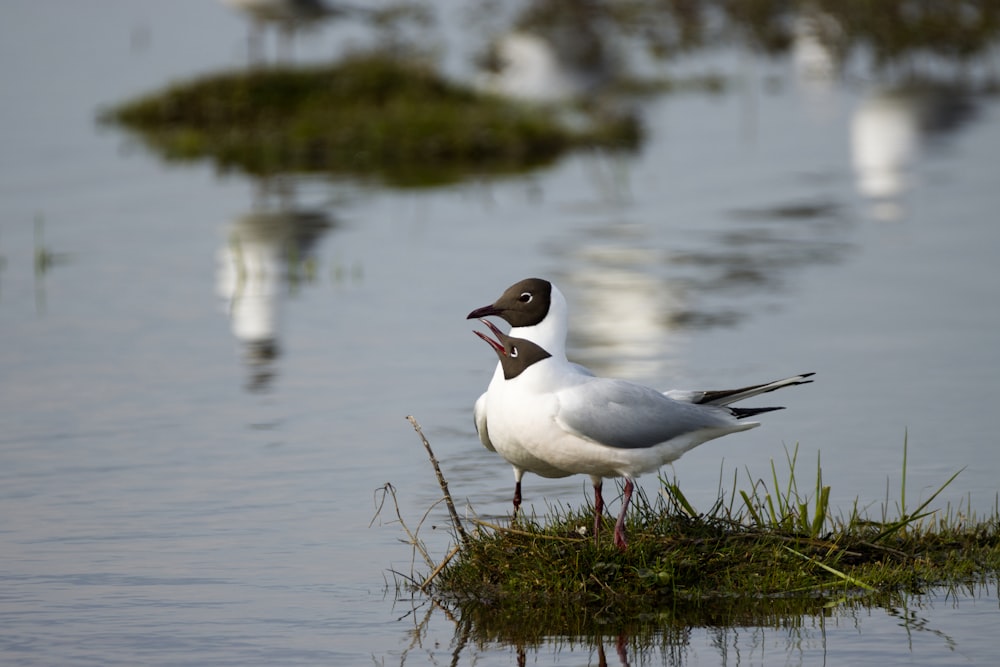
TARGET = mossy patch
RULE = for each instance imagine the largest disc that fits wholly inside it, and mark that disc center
(701, 570)
(368, 115)
(755, 557)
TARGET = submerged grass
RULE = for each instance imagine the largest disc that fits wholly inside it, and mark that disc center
(370, 114)
(753, 555)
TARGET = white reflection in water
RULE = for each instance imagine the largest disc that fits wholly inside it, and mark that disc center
(885, 140)
(621, 311)
(889, 130)
(265, 256)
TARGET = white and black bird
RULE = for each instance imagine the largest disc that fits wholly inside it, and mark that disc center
(547, 415)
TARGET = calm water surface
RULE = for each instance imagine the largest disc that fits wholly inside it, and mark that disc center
(190, 456)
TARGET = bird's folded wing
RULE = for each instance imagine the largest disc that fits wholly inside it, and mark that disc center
(626, 415)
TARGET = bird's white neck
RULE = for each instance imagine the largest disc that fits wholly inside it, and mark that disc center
(550, 333)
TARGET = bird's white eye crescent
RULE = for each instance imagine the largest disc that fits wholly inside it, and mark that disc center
(525, 297)
(513, 352)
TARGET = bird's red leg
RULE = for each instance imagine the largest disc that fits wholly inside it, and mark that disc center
(598, 508)
(620, 540)
(517, 497)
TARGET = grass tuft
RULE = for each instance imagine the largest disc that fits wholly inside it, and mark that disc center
(740, 561)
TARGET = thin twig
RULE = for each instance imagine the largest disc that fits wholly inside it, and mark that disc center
(390, 490)
(441, 482)
(437, 570)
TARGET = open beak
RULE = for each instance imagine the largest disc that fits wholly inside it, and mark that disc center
(495, 344)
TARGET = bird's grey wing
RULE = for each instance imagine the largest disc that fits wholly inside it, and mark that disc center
(623, 414)
(480, 416)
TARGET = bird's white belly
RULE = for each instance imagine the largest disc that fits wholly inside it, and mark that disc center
(522, 430)
(525, 443)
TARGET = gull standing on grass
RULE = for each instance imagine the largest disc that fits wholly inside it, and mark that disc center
(547, 415)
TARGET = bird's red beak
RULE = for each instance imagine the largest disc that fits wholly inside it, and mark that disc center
(495, 344)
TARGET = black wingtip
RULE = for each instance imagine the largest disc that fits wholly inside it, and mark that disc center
(742, 413)
(801, 380)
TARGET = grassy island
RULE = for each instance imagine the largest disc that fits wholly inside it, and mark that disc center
(368, 115)
(768, 553)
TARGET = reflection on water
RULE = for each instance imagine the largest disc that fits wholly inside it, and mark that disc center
(288, 16)
(619, 311)
(889, 129)
(45, 260)
(884, 139)
(898, 629)
(266, 256)
(633, 291)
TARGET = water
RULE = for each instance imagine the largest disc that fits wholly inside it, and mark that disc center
(929, 630)
(190, 465)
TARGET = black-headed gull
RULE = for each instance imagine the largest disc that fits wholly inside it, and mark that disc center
(547, 415)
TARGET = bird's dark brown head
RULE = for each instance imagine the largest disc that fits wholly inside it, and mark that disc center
(523, 304)
(516, 354)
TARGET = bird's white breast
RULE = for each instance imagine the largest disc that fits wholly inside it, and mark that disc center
(520, 420)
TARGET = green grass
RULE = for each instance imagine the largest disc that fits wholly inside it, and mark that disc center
(369, 115)
(756, 554)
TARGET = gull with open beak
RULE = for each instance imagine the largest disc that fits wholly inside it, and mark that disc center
(547, 415)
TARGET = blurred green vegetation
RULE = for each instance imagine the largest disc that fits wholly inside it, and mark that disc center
(891, 30)
(895, 29)
(370, 115)
(391, 118)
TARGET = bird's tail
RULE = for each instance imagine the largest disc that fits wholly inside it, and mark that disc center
(728, 396)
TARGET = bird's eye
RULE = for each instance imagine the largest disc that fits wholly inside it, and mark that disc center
(525, 297)
(513, 352)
